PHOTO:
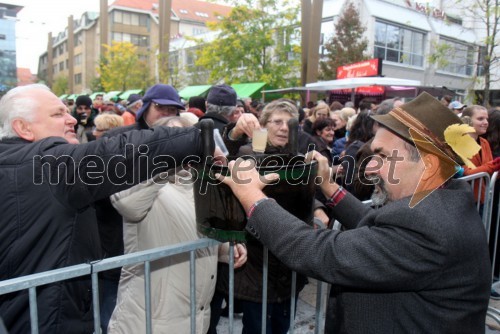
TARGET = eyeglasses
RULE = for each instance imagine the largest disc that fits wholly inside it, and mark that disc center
(165, 109)
(278, 122)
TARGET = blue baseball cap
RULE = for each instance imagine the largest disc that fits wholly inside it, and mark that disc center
(162, 94)
(457, 105)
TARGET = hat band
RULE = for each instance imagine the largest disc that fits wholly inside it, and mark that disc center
(411, 122)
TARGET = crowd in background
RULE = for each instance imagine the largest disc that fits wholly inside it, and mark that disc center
(132, 218)
(342, 132)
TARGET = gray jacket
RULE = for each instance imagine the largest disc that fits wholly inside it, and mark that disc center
(395, 269)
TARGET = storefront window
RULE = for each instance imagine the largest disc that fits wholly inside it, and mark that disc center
(399, 45)
(459, 57)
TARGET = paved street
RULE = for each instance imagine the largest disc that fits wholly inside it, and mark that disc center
(306, 314)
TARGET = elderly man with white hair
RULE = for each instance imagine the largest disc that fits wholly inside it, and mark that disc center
(49, 185)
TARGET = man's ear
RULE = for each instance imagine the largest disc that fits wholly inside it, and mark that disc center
(23, 129)
(432, 166)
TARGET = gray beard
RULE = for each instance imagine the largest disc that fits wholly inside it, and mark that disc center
(380, 195)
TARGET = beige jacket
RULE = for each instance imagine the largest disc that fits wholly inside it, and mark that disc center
(160, 213)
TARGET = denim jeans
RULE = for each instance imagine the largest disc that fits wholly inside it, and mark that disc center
(109, 290)
(278, 317)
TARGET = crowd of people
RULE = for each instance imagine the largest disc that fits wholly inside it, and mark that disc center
(402, 266)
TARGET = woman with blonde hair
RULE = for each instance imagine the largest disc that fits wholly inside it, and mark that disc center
(105, 122)
(322, 110)
(483, 160)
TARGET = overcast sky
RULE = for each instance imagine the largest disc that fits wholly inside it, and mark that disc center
(37, 19)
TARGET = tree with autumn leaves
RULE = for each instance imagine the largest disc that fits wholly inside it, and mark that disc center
(122, 69)
(258, 41)
(347, 46)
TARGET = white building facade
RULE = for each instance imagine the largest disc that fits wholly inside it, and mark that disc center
(436, 44)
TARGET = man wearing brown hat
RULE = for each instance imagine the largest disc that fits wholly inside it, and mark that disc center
(417, 264)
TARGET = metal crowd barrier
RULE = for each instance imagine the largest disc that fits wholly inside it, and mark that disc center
(482, 182)
(479, 182)
(31, 282)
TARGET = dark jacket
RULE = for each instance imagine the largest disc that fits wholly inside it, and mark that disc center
(357, 184)
(110, 222)
(219, 121)
(48, 188)
(307, 127)
(248, 279)
(322, 148)
(396, 269)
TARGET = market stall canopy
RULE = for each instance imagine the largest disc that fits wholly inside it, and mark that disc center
(112, 94)
(189, 91)
(62, 97)
(290, 90)
(93, 95)
(72, 97)
(127, 93)
(248, 89)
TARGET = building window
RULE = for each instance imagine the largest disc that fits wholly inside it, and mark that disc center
(399, 45)
(78, 39)
(60, 50)
(3, 37)
(143, 20)
(459, 57)
(117, 16)
(173, 62)
(198, 31)
(78, 59)
(133, 19)
(190, 59)
(201, 14)
(137, 40)
(116, 36)
(183, 11)
(78, 79)
(480, 65)
(61, 66)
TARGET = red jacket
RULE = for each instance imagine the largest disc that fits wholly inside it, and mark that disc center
(483, 160)
(484, 163)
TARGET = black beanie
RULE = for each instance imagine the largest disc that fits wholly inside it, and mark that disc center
(197, 102)
(83, 100)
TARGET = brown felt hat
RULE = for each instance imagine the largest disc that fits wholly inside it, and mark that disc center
(428, 111)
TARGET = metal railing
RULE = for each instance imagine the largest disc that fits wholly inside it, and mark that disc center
(31, 282)
(479, 182)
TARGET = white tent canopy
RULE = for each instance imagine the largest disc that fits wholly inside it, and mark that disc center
(360, 82)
